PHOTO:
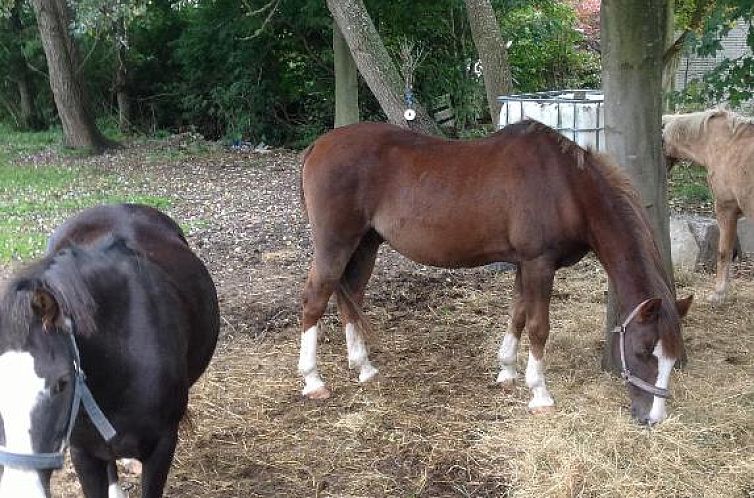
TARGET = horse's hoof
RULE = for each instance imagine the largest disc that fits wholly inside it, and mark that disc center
(367, 374)
(507, 386)
(542, 410)
(716, 298)
(318, 394)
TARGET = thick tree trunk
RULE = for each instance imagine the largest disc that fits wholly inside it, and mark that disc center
(68, 89)
(346, 81)
(375, 64)
(633, 45)
(492, 52)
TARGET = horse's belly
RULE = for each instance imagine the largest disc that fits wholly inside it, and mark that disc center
(448, 247)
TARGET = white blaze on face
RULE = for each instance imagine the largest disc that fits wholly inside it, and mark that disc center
(20, 391)
(664, 369)
(307, 361)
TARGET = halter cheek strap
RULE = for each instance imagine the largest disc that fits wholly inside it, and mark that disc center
(81, 396)
(625, 372)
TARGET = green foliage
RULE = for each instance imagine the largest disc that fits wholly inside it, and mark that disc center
(261, 71)
(544, 54)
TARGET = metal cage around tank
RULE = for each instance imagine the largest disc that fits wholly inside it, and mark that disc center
(577, 114)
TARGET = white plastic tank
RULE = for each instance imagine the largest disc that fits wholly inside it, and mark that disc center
(577, 114)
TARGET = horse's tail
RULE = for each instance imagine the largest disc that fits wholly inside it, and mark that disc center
(346, 299)
(302, 200)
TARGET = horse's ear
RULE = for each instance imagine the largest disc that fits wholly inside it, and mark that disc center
(649, 310)
(45, 306)
(683, 305)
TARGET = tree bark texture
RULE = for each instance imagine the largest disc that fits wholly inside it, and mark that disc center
(66, 81)
(346, 81)
(375, 65)
(633, 45)
(122, 95)
(19, 73)
(492, 52)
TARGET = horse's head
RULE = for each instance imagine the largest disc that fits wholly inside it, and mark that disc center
(669, 150)
(646, 355)
(37, 377)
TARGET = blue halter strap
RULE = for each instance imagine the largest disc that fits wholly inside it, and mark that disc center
(81, 396)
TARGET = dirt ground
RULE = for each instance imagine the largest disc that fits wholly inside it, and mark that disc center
(433, 423)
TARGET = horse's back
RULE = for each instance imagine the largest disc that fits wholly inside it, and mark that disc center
(157, 237)
(415, 190)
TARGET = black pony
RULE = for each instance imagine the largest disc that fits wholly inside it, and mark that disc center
(121, 317)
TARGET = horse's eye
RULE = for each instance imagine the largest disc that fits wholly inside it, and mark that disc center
(60, 385)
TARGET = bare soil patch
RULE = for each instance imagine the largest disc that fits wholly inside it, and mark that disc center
(434, 423)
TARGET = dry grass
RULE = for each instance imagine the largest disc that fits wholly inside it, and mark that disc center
(436, 425)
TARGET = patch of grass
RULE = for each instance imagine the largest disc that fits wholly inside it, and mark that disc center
(689, 190)
(35, 199)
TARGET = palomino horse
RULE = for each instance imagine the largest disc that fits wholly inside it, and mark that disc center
(723, 142)
(121, 298)
(525, 195)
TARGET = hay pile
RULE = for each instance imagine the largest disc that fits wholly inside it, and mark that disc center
(436, 425)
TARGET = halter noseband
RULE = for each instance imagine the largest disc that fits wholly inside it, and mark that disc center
(81, 396)
(626, 373)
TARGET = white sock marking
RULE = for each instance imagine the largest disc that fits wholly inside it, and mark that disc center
(507, 357)
(20, 391)
(535, 379)
(307, 361)
(115, 491)
(665, 365)
(358, 356)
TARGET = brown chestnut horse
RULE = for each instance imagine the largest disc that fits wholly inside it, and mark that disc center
(723, 142)
(524, 195)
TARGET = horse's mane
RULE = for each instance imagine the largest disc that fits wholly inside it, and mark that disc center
(637, 221)
(532, 126)
(61, 274)
(692, 126)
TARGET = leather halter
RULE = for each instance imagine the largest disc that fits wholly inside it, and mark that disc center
(626, 373)
(81, 396)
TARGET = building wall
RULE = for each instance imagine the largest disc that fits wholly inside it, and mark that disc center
(694, 67)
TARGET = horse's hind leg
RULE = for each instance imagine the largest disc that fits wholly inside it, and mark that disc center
(727, 219)
(536, 284)
(509, 345)
(325, 272)
(350, 296)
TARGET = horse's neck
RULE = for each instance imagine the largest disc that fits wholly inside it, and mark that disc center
(628, 258)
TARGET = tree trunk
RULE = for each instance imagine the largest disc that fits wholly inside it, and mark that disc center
(633, 45)
(375, 65)
(492, 52)
(18, 72)
(68, 89)
(346, 81)
(121, 78)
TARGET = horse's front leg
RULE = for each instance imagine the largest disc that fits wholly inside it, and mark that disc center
(536, 281)
(156, 466)
(727, 218)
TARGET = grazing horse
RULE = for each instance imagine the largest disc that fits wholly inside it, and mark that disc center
(119, 317)
(723, 142)
(524, 195)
